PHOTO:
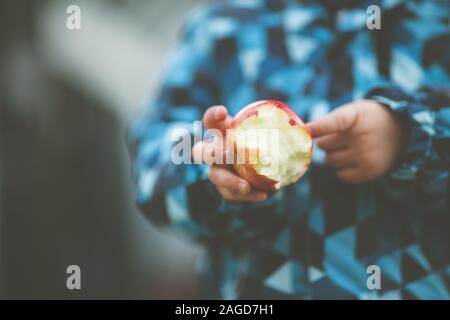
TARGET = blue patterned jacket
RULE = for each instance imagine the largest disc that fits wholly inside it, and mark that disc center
(317, 238)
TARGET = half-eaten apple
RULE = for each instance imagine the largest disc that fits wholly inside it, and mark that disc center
(272, 145)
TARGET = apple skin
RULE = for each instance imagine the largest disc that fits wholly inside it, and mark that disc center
(250, 110)
(246, 170)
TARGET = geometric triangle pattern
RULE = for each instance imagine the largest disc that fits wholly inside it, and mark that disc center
(320, 238)
(411, 269)
(281, 280)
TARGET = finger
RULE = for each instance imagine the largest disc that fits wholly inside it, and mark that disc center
(224, 178)
(340, 158)
(349, 174)
(254, 196)
(211, 152)
(333, 142)
(216, 118)
(227, 194)
(340, 120)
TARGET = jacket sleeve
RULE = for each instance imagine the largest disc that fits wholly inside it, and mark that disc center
(418, 188)
(427, 113)
(415, 195)
(178, 196)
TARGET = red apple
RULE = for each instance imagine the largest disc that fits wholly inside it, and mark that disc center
(272, 145)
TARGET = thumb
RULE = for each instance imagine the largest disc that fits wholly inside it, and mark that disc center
(216, 118)
(339, 120)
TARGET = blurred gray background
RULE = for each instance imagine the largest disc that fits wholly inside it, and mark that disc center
(66, 193)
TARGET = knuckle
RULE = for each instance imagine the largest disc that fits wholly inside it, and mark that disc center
(347, 118)
(341, 122)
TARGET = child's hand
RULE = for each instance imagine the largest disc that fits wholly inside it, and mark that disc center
(363, 140)
(230, 186)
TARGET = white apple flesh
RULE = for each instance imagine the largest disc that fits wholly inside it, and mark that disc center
(273, 147)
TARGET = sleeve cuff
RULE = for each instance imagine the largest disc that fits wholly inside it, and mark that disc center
(420, 121)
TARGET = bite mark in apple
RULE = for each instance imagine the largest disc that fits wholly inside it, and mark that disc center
(278, 163)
